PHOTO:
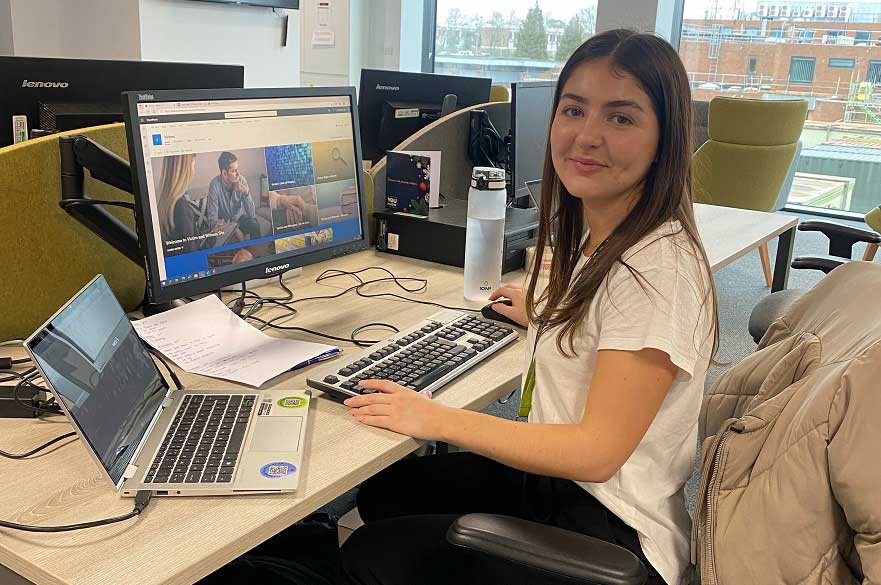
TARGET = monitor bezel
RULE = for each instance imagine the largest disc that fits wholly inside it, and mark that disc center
(144, 221)
(515, 88)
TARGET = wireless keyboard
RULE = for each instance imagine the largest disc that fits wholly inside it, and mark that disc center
(423, 357)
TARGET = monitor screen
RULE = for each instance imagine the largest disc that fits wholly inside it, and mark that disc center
(98, 369)
(64, 94)
(531, 105)
(395, 104)
(244, 184)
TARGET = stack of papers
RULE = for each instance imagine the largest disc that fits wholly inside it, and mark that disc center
(205, 337)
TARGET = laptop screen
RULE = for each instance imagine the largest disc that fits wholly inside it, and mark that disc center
(93, 360)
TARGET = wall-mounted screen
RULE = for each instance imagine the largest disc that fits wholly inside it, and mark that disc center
(294, 4)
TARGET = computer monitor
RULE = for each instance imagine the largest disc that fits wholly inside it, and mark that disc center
(66, 94)
(531, 105)
(232, 185)
(394, 104)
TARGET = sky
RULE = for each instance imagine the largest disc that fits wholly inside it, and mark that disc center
(563, 9)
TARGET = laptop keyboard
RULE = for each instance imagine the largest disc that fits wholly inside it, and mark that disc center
(203, 443)
(423, 357)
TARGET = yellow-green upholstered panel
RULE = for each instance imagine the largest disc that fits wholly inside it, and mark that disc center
(756, 122)
(46, 254)
(873, 219)
(748, 177)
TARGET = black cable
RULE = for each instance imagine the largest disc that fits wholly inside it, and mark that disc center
(76, 202)
(142, 499)
(154, 352)
(358, 342)
(36, 450)
(21, 361)
(24, 379)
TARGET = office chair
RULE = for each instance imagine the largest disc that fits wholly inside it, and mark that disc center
(499, 93)
(814, 374)
(841, 241)
(745, 162)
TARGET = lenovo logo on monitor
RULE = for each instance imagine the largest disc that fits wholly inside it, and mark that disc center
(58, 84)
(272, 269)
(388, 87)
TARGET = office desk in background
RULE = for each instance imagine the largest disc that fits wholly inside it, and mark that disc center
(180, 540)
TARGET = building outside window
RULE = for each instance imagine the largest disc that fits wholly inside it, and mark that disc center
(825, 51)
(801, 69)
(512, 40)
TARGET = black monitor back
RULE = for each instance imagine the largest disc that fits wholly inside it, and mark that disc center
(384, 92)
(532, 103)
(81, 86)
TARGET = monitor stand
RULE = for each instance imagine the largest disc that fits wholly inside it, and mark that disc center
(77, 154)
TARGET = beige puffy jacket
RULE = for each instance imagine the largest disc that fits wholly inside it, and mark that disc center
(791, 466)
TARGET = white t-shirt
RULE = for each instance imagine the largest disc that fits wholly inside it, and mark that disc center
(670, 310)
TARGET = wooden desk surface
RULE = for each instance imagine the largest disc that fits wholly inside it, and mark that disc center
(180, 540)
(729, 233)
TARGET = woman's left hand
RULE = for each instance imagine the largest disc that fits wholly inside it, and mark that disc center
(398, 409)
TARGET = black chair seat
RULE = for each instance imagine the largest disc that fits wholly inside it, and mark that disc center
(769, 309)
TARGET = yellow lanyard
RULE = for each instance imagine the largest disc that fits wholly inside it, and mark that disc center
(529, 383)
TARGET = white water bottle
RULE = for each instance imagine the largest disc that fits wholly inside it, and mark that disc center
(485, 233)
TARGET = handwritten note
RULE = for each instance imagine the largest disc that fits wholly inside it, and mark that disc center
(205, 337)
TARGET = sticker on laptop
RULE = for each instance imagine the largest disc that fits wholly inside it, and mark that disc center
(293, 402)
(265, 408)
(277, 469)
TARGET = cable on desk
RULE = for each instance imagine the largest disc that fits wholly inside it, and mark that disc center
(26, 379)
(154, 352)
(36, 450)
(142, 499)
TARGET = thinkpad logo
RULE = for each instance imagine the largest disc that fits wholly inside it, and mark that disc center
(58, 84)
(272, 269)
(388, 87)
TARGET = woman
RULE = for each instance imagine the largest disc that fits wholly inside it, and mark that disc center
(178, 218)
(618, 347)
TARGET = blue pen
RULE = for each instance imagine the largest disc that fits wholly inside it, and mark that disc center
(319, 358)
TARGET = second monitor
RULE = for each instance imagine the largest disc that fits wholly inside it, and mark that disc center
(394, 104)
(234, 185)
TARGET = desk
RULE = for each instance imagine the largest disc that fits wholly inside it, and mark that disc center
(180, 540)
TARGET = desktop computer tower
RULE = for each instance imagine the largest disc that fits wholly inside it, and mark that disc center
(440, 237)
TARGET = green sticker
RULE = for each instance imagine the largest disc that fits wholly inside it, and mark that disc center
(293, 402)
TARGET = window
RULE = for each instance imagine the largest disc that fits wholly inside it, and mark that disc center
(818, 50)
(509, 41)
(873, 74)
(801, 69)
(842, 63)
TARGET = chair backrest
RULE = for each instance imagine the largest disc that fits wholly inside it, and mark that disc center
(499, 93)
(873, 219)
(701, 122)
(787, 182)
(46, 254)
(749, 152)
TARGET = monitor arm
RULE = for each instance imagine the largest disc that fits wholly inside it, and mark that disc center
(79, 153)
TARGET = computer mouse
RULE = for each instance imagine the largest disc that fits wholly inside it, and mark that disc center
(490, 313)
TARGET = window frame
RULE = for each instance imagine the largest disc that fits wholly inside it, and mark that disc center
(852, 63)
(805, 59)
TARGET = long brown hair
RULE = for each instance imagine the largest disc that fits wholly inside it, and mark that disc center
(666, 188)
(177, 172)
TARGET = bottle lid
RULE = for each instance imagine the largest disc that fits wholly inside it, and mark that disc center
(487, 178)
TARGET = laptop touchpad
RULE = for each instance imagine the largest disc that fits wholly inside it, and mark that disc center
(276, 434)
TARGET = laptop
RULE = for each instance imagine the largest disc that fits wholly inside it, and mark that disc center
(147, 436)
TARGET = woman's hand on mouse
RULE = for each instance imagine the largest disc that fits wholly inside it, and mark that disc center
(517, 310)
